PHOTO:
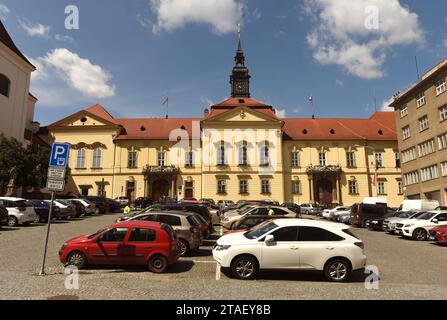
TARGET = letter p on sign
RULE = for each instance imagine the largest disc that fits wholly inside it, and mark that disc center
(59, 155)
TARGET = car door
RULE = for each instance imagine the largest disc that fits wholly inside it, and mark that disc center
(141, 242)
(111, 248)
(283, 252)
(316, 246)
(442, 219)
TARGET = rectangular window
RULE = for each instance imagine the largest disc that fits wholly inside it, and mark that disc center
(97, 158)
(404, 111)
(353, 187)
(221, 186)
(400, 187)
(423, 124)
(442, 141)
(420, 99)
(397, 157)
(265, 158)
(265, 186)
(243, 186)
(381, 188)
(444, 169)
(243, 156)
(350, 159)
(161, 159)
(295, 159)
(409, 155)
(322, 159)
(132, 161)
(379, 160)
(443, 113)
(221, 155)
(80, 161)
(440, 87)
(189, 159)
(296, 187)
(101, 190)
(429, 173)
(426, 148)
(406, 133)
(411, 178)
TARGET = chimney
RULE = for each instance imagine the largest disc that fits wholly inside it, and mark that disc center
(206, 112)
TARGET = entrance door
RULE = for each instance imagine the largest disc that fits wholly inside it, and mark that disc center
(324, 192)
(160, 189)
(189, 189)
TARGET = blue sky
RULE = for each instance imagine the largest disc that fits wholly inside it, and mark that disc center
(128, 55)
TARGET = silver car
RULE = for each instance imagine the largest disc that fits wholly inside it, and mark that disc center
(185, 224)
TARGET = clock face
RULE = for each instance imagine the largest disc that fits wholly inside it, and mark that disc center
(241, 87)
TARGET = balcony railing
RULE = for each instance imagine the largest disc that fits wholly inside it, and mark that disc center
(160, 169)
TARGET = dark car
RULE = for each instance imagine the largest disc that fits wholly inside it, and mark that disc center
(113, 206)
(292, 206)
(248, 222)
(4, 216)
(362, 213)
(143, 202)
(377, 224)
(42, 209)
(197, 208)
(100, 203)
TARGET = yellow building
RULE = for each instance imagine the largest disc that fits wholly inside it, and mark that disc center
(239, 149)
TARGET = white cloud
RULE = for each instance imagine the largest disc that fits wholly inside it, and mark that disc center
(340, 35)
(222, 15)
(281, 114)
(84, 79)
(64, 38)
(35, 30)
(206, 101)
(386, 105)
(339, 83)
(4, 11)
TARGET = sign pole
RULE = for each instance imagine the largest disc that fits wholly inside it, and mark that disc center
(42, 270)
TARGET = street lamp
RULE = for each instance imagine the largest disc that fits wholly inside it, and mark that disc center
(376, 172)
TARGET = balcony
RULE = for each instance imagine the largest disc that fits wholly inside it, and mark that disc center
(148, 170)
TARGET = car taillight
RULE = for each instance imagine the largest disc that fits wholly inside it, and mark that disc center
(21, 209)
(360, 245)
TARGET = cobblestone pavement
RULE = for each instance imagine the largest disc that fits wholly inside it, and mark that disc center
(408, 270)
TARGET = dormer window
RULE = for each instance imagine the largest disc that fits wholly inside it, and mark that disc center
(304, 131)
(143, 128)
(332, 131)
(241, 101)
(5, 85)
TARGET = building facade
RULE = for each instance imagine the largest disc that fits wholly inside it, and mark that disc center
(421, 114)
(239, 149)
(16, 103)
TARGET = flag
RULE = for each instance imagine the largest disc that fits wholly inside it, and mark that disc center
(311, 99)
(166, 101)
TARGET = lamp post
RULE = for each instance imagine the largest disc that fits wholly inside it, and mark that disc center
(376, 171)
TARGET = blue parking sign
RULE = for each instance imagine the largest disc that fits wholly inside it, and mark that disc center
(59, 155)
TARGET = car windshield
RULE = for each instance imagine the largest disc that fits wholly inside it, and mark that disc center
(260, 230)
(243, 212)
(389, 215)
(405, 214)
(96, 233)
(427, 216)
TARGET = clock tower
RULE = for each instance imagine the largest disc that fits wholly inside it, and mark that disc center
(240, 78)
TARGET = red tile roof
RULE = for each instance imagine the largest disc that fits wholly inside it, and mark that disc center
(101, 112)
(6, 39)
(232, 103)
(381, 126)
(238, 102)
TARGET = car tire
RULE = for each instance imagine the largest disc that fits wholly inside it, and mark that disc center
(337, 270)
(245, 268)
(158, 264)
(13, 222)
(420, 234)
(77, 259)
(183, 248)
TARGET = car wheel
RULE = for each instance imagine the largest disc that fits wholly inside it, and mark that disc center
(158, 264)
(13, 222)
(420, 234)
(244, 268)
(183, 248)
(337, 270)
(77, 259)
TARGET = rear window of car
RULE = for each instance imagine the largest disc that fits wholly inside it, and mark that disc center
(169, 231)
(349, 232)
(18, 204)
(194, 221)
(142, 235)
(317, 234)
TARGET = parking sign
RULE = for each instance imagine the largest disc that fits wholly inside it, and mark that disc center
(59, 155)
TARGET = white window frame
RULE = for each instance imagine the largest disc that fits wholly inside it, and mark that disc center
(295, 160)
(381, 190)
(296, 187)
(243, 155)
(442, 141)
(265, 186)
(420, 100)
(353, 187)
(424, 124)
(411, 178)
(132, 161)
(80, 160)
(443, 113)
(243, 186)
(189, 159)
(441, 87)
(378, 159)
(265, 156)
(97, 158)
(404, 111)
(322, 159)
(444, 169)
(161, 159)
(406, 133)
(221, 186)
(400, 187)
(350, 159)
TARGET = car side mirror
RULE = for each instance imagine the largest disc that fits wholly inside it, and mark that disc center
(270, 240)
(435, 221)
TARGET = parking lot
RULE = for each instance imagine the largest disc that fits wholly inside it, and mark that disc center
(408, 270)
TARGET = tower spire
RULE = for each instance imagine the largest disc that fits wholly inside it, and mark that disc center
(240, 78)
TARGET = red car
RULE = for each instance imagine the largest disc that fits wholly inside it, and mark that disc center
(439, 234)
(127, 243)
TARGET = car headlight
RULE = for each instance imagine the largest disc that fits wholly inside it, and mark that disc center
(409, 225)
(221, 248)
(374, 221)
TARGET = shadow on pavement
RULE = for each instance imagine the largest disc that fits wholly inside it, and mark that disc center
(179, 267)
(202, 253)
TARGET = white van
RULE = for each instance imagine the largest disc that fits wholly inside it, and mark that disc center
(419, 205)
(376, 200)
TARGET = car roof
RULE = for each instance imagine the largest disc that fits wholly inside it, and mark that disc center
(310, 223)
(12, 199)
(138, 224)
(170, 213)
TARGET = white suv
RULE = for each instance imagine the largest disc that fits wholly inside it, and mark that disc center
(20, 211)
(292, 244)
(419, 228)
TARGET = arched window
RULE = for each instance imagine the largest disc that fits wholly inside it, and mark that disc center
(97, 154)
(5, 84)
(80, 161)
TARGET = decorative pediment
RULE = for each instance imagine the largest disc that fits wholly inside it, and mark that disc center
(243, 114)
(83, 119)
